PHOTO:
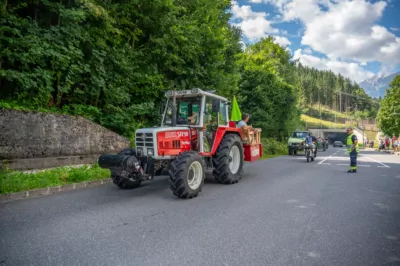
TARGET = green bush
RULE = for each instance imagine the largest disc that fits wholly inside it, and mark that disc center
(273, 147)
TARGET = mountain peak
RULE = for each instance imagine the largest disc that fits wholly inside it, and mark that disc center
(376, 85)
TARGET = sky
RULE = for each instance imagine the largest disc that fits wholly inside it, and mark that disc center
(356, 38)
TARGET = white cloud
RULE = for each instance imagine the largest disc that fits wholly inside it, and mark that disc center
(283, 41)
(307, 50)
(347, 30)
(253, 24)
(347, 69)
(255, 1)
(306, 10)
(344, 30)
(245, 12)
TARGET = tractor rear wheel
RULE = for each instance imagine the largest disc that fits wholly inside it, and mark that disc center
(123, 182)
(187, 174)
(228, 160)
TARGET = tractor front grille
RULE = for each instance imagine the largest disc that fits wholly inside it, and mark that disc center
(144, 140)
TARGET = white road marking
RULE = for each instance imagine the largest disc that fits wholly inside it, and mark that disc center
(362, 165)
(327, 158)
(384, 165)
(321, 162)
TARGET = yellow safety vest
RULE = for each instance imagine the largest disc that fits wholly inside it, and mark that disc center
(349, 144)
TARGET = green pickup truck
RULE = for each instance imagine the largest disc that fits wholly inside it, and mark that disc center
(296, 141)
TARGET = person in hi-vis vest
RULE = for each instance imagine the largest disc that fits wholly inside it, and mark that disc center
(352, 149)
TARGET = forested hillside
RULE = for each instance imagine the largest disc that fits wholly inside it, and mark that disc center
(111, 61)
(333, 91)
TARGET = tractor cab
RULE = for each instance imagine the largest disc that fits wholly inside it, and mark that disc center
(201, 111)
(195, 108)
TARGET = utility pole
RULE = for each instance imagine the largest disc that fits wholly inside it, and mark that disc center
(335, 120)
(320, 116)
(340, 101)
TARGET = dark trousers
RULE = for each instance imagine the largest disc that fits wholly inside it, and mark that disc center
(353, 160)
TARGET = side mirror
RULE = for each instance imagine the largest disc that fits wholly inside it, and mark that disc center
(216, 103)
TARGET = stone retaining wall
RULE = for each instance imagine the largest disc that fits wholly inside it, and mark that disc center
(33, 140)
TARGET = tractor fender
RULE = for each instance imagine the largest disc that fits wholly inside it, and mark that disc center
(219, 135)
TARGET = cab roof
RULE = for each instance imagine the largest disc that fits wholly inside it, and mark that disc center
(193, 93)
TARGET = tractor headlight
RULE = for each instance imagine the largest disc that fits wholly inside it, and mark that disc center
(150, 152)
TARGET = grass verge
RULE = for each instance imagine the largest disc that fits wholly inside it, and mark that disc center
(315, 122)
(16, 181)
(326, 112)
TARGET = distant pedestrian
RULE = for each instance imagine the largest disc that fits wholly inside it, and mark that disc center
(352, 149)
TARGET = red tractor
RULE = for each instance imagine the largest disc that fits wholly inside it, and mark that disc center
(195, 134)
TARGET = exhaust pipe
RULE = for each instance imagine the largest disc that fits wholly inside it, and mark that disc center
(173, 119)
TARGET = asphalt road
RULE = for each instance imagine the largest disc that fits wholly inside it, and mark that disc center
(285, 211)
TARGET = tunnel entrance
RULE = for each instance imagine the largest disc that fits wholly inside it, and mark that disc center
(335, 136)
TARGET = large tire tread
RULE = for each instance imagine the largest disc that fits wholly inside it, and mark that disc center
(221, 171)
(178, 175)
(125, 183)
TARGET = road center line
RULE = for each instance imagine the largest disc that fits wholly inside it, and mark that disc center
(330, 156)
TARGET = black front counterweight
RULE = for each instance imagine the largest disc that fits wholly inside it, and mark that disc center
(120, 162)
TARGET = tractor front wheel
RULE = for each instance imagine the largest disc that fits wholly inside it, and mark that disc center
(123, 182)
(228, 160)
(186, 175)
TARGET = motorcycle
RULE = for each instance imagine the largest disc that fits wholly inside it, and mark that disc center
(309, 152)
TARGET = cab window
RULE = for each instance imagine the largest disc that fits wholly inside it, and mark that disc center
(223, 116)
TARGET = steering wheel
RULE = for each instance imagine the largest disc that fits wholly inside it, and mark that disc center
(182, 121)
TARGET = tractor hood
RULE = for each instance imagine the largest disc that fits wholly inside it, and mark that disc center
(296, 140)
(146, 138)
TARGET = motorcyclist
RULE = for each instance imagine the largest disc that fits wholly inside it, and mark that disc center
(309, 140)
